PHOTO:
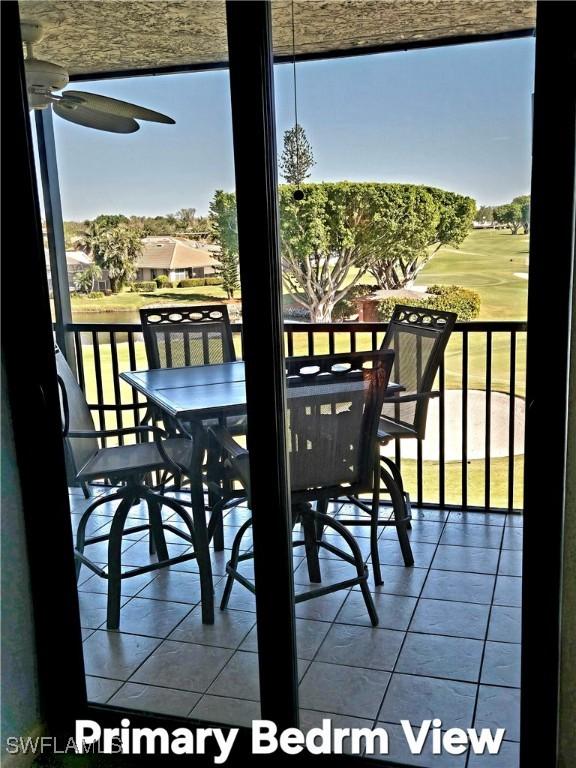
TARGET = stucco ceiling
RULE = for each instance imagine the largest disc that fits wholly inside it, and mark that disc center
(96, 36)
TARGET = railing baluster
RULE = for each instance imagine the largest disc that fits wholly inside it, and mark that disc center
(79, 360)
(310, 342)
(419, 473)
(352, 341)
(441, 439)
(330, 342)
(488, 418)
(511, 421)
(98, 374)
(132, 360)
(290, 339)
(464, 491)
(116, 383)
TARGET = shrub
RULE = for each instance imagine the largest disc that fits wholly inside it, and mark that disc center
(453, 298)
(447, 298)
(95, 295)
(166, 284)
(161, 280)
(194, 282)
(145, 285)
(347, 307)
(191, 282)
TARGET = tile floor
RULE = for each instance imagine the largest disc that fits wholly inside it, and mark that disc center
(448, 642)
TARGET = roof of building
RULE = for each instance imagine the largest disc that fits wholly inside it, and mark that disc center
(173, 253)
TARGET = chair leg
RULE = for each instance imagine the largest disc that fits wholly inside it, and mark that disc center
(397, 475)
(375, 511)
(86, 490)
(397, 499)
(157, 538)
(322, 507)
(308, 519)
(115, 560)
(233, 563)
(358, 561)
(81, 531)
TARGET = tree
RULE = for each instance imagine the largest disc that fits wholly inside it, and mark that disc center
(116, 250)
(484, 214)
(224, 226)
(322, 237)
(385, 229)
(524, 202)
(84, 281)
(407, 219)
(185, 218)
(94, 228)
(297, 158)
(515, 215)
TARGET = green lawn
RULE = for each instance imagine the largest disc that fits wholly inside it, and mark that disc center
(486, 261)
(127, 300)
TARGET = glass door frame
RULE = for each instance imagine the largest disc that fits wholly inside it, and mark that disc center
(32, 388)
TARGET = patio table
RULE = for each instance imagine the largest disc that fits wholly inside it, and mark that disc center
(190, 396)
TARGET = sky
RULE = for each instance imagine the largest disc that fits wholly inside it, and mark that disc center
(454, 117)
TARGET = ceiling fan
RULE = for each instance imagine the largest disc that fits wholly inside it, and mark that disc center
(87, 109)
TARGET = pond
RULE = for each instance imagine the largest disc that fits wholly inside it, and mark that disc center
(128, 316)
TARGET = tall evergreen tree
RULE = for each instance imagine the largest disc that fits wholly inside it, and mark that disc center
(297, 157)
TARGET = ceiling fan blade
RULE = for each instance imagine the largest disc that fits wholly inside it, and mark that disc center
(117, 107)
(92, 118)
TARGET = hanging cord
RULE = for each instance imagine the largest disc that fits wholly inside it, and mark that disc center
(298, 194)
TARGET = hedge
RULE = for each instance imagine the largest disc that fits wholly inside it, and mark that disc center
(95, 295)
(195, 282)
(166, 284)
(447, 298)
(145, 285)
(161, 280)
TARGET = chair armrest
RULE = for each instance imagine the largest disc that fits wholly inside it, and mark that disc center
(411, 398)
(159, 436)
(239, 456)
(226, 441)
(157, 432)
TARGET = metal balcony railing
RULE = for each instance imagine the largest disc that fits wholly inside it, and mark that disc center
(472, 457)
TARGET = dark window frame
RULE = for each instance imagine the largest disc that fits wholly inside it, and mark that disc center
(32, 386)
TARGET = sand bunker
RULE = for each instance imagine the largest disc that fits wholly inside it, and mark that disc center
(499, 427)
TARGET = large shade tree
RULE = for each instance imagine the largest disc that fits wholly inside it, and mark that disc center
(340, 231)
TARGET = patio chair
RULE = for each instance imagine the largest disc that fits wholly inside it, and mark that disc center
(418, 337)
(125, 466)
(178, 336)
(175, 337)
(333, 406)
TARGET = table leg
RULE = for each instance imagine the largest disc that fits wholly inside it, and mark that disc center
(213, 460)
(200, 527)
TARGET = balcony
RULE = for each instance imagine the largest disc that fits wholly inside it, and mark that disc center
(448, 642)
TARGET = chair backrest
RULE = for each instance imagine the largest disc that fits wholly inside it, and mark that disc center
(175, 337)
(333, 407)
(418, 337)
(76, 416)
